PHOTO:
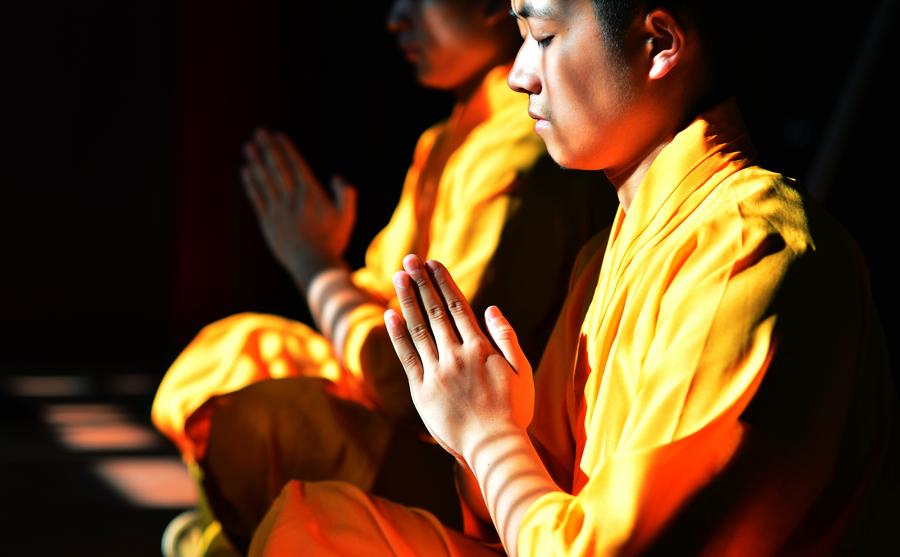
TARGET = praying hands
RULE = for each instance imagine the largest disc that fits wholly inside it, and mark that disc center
(474, 392)
(306, 231)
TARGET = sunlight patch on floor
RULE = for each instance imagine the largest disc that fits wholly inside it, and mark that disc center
(157, 482)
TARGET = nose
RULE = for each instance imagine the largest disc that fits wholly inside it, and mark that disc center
(398, 18)
(524, 77)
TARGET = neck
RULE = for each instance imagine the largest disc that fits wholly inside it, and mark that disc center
(471, 106)
(627, 178)
(503, 55)
(473, 103)
(464, 92)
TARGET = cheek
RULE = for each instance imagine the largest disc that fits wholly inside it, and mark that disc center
(572, 103)
(447, 29)
(588, 97)
(449, 46)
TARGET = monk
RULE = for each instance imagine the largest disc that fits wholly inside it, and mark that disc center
(256, 400)
(716, 383)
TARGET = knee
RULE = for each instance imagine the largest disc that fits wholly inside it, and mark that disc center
(256, 412)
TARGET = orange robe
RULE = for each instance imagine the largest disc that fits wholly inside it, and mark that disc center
(716, 384)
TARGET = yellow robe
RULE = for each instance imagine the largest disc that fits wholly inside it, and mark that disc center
(481, 195)
(716, 384)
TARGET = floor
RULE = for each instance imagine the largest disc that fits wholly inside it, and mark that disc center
(83, 471)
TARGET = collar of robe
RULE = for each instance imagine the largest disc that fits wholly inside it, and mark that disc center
(711, 148)
(492, 95)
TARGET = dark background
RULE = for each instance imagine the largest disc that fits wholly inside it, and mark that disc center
(123, 227)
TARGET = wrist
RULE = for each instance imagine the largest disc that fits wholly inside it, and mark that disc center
(305, 266)
(512, 477)
(485, 443)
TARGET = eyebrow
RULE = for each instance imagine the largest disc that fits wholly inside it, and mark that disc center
(528, 11)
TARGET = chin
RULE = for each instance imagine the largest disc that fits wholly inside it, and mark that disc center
(430, 82)
(574, 159)
(430, 79)
(554, 151)
(558, 158)
(565, 158)
(423, 73)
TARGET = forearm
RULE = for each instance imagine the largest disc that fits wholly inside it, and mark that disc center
(352, 320)
(511, 477)
(332, 297)
(306, 265)
(470, 492)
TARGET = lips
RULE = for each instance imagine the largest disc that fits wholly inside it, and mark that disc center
(541, 123)
(410, 49)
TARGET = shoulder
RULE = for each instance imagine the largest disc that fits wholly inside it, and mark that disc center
(769, 203)
(782, 233)
(756, 237)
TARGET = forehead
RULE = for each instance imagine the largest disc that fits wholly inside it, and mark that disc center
(539, 9)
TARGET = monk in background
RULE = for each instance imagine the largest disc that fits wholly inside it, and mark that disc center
(717, 382)
(257, 400)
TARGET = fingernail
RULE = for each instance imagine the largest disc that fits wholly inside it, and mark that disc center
(432, 265)
(391, 317)
(400, 279)
(412, 263)
(493, 313)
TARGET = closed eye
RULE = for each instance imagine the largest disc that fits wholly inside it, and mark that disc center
(545, 42)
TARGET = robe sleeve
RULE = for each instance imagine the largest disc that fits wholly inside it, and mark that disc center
(741, 405)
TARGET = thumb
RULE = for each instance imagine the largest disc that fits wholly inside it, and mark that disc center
(506, 340)
(344, 197)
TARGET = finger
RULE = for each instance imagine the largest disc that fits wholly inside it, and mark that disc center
(307, 185)
(404, 346)
(275, 164)
(253, 192)
(504, 336)
(438, 318)
(345, 199)
(258, 172)
(456, 302)
(344, 196)
(415, 323)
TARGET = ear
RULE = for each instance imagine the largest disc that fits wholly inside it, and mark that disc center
(665, 42)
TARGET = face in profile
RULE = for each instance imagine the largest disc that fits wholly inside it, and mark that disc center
(582, 91)
(449, 42)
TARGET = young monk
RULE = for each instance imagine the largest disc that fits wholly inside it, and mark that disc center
(256, 400)
(716, 383)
